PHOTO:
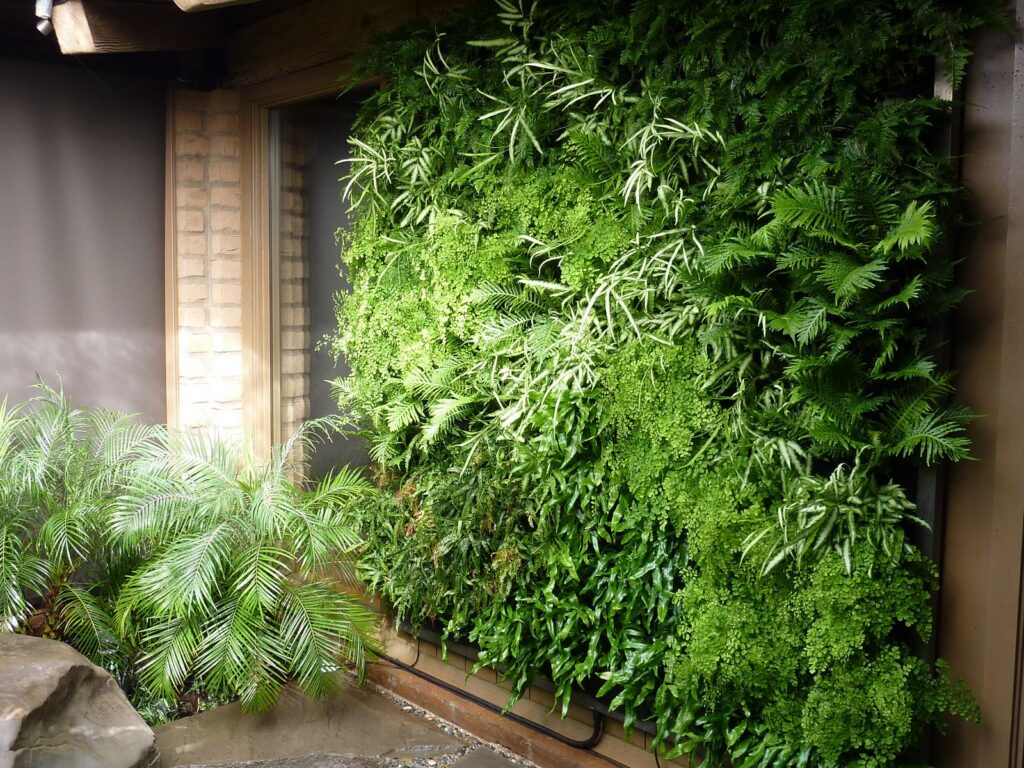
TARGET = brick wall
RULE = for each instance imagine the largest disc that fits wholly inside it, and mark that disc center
(208, 267)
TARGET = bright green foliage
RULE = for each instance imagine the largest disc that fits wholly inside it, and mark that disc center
(177, 562)
(241, 586)
(639, 334)
(61, 470)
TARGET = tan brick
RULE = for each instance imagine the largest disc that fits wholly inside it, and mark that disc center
(229, 390)
(223, 100)
(293, 269)
(293, 386)
(194, 366)
(224, 123)
(293, 178)
(196, 342)
(192, 245)
(292, 362)
(191, 267)
(226, 269)
(187, 120)
(227, 341)
(190, 170)
(224, 146)
(193, 415)
(225, 219)
(190, 197)
(191, 144)
(192, 317)
(293, 411)
(191, 221)
(294, 316)
(293, 292)
(226, 317)
(228, 197)
(227, 364)
(226, 244)
(227, 293)
(224, 171)
(193, 293)
(293, 202)
(292, 340)
(185, 99)
(292, 225)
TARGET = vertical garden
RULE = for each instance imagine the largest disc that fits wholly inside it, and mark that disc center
(641, 337)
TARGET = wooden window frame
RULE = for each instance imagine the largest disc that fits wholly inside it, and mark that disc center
(171, 328)
(260, 326)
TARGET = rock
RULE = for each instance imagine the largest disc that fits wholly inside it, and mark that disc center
(59, 710)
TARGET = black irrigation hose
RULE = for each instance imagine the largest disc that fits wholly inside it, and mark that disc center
(588, 743)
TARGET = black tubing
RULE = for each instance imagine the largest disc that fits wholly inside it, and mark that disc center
(589, 743)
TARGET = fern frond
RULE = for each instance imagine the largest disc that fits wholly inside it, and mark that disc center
(816, 210)
(916, 227)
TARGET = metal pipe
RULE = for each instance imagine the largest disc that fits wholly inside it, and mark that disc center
(587, 743)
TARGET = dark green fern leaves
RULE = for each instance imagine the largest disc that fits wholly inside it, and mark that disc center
(640, 337)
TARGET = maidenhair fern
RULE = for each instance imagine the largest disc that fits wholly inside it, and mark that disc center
(640, 336)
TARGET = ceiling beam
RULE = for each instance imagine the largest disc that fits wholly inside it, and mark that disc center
(108, 26)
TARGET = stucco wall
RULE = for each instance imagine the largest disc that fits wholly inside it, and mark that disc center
(82, 234)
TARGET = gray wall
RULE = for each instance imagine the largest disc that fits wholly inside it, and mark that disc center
(81, 234)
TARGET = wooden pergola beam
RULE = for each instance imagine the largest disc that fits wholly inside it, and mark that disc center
(108, 26)
(204, 5)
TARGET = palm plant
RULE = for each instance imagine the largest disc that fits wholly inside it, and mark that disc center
(61, 471)
(244, 576)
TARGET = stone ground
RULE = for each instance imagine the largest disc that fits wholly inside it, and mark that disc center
(354, 728)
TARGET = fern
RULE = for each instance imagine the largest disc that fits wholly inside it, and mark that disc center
(816, 210)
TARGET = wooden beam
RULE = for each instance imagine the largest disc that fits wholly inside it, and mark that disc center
(107, 26)
(309, 34)
(204, 5)
(317, 32)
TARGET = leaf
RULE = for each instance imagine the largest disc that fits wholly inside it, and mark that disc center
(916, 227)
(816, 209)
(846, 277)
(444, 413)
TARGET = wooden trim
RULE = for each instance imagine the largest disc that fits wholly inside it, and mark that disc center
(980, 617)
(260, 376)
(272, 209)
(256, 369)
(171, 267)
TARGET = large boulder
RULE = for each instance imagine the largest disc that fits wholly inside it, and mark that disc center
(59, 710)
